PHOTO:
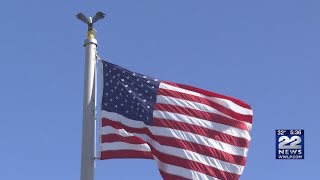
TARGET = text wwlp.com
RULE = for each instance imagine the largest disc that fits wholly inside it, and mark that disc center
(290, 157)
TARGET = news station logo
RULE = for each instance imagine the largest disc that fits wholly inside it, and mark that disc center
(290, 144)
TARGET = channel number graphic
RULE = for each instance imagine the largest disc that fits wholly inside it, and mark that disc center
(289, 143)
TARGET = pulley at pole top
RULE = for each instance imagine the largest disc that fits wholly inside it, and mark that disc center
(89, 21)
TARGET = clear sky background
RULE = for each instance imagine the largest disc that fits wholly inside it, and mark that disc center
(266, 53)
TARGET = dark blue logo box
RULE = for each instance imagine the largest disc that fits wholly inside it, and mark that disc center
(289, 144)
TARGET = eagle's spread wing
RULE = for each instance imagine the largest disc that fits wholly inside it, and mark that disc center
(82, 18)
(99, 15)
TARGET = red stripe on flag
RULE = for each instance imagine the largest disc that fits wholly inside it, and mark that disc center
(209, 93)
(168, 176)
(216, 135)
(227, 111)
(178, 143)
(190, 164)
(202, 115)
(111, 154)
(117, 138)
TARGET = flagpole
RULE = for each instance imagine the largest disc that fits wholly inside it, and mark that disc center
(88, 121)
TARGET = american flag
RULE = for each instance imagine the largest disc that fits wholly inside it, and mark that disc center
(191, 133)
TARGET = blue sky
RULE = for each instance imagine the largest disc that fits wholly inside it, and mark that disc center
(263, 52)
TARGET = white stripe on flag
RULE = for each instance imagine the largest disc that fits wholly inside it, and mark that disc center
(195, 105)
(110, 146)
(177, 134)
(183, 153)
(203, 123)
(189, 104)
(223, 102)
(183, 172)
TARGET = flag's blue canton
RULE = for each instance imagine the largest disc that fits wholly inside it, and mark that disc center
(130, 94)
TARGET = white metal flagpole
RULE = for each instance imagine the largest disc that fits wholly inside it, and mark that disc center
(88, 123)
(89, 100)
